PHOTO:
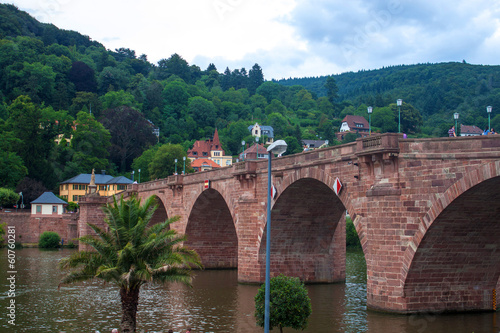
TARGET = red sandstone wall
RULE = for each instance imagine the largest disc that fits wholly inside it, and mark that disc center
(29, 228)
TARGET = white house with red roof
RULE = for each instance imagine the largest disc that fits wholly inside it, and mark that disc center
(467, 130)
(353, 124)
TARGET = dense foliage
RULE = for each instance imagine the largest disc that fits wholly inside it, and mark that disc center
(289, 304)
(129, 253)
(68, 105)
(8, 197)
(49, 240)
(436, 90)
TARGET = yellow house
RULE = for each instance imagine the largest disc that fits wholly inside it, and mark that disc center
(76, 187)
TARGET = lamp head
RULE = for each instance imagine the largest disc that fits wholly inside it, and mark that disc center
(277, 147)
(455, 115)
(489, 108)
(400, 102)
(370, 109)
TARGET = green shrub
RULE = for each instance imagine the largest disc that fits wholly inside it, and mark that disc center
(49, 240)
(290, 306)
(72, 206)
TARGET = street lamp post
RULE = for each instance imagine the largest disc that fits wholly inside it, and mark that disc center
(257, 147)
(175, 167)
(455, 115)
(488, 109)
(184, 170)
(399, 102)
(139, 175)
(278, 147)
(370, 110)
(132, 173)
(243, 150)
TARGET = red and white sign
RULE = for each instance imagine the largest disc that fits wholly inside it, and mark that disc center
(337, 186)
(207, 184)
(273, 192)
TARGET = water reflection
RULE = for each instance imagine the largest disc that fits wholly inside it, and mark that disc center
(216, 303)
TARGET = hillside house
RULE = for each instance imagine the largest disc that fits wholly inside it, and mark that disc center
(258, 131)
(210, 149)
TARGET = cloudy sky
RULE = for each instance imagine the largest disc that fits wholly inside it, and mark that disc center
(287, 38)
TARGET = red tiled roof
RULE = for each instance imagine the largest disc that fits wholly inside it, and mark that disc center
(466, 129)
(206, 147)
(198, 163)
(262, 149)
(353, 120)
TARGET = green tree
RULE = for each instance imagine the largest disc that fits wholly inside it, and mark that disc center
(202, 110)
(175, 65)
(90, 143)
(411, 119)
(131, 254)
(8, 197)
(289, 305)
(331, 89)
(114, 99)
(33, 79)
(383, 118)
(163, 163)
(142, 162)
(131, 134)
(36, 128)
(255, 78)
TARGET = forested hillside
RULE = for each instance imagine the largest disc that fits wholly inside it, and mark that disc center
(68, 105)
(436, 90)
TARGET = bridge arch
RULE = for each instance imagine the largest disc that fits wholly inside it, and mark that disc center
(307, 239)
(210, 231)
(323, 177)
(453, 261)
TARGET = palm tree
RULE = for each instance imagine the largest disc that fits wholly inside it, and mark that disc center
(130, 254)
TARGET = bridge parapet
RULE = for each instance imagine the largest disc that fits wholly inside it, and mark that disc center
(245, 170)
(376, 144)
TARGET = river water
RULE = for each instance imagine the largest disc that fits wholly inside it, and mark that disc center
(216, 303)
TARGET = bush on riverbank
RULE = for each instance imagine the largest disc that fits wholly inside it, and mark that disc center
(49, 240)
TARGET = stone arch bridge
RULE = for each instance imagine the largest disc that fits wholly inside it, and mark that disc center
(426, 210)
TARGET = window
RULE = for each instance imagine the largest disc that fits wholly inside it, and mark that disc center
(228, 162)
(38, 208)
(54, 209)
(75, 198)
(82, 187)
(216, 153)
(121, 187)
(75, 187)
(102, 187)
(205, 153)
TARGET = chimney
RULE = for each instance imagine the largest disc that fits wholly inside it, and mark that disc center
(103, 172)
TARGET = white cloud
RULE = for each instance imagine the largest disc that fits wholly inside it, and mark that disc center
(287, 38)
